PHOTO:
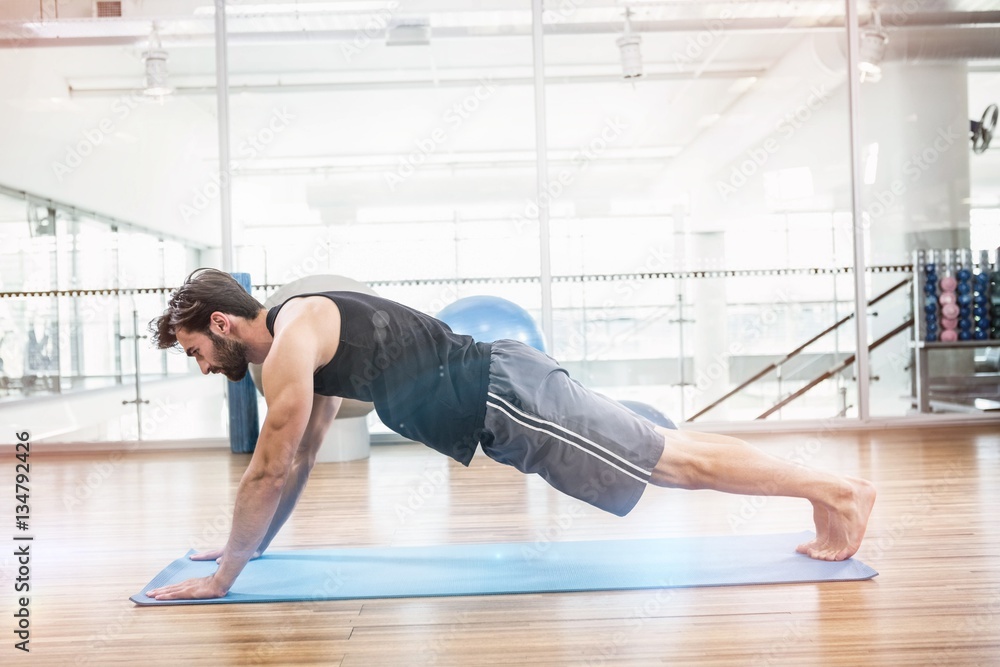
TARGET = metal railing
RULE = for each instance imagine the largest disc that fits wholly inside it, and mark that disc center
(847, 361)
(775, 366)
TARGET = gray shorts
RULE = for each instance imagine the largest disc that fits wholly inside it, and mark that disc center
(540, 420)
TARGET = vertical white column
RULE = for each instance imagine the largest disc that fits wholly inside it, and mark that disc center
(710, 343)
(222, 104)
(857, 178)
(541, 151)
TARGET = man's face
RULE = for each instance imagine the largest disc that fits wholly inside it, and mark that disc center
(216, 354)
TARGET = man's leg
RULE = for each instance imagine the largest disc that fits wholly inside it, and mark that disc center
(841, 505)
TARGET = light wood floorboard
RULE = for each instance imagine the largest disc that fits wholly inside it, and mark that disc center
(105, 523)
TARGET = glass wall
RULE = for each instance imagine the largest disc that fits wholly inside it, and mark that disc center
(707, 205)
(72, 288)
(696, 207)
(928, 188)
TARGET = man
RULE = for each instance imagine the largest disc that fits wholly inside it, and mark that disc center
(452, 394)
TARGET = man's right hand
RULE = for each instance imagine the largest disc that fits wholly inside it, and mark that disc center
(216, 555)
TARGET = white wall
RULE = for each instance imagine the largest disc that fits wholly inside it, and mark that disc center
(116, 155)
(187, 408)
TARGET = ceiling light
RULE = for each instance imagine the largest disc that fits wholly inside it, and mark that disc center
(411, 32)
(872, 48)
(155, 58)
(629, 45)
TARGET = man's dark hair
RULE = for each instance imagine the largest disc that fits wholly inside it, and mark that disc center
(191, 305)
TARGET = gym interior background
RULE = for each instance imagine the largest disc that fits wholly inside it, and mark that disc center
(696, 223)
(702, 205)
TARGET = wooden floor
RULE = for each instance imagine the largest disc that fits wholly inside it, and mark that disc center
(104, 524)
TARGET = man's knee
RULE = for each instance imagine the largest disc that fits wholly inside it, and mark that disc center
(676, 468)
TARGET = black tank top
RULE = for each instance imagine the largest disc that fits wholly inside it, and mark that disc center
(427, 383)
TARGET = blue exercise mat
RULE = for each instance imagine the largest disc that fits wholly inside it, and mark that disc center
(481, 569)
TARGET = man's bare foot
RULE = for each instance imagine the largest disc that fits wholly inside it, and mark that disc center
(840, 525)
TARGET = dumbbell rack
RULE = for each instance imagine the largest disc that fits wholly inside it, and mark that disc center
(956, 305)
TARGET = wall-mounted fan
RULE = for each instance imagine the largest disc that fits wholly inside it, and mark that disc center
(981, 132)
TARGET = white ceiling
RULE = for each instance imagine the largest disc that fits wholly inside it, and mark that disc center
(354, 107)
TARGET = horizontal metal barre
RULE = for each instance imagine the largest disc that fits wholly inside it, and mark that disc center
(581, 278)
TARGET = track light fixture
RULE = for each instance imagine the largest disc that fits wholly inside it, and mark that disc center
(155, 60)
(872, 48)
(629, 45)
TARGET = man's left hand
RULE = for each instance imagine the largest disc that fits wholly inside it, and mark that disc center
(193, 589)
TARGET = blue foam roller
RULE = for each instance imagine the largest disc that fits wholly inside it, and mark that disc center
(244, 420)
(650, 413)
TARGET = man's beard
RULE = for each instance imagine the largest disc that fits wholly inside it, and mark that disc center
(231, 357)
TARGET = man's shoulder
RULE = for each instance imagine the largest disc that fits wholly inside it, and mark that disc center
(306, 311)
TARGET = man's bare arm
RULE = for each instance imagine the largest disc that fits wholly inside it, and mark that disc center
(287, 384)
(324, 411)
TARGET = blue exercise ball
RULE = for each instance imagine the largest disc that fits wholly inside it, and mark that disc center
(650, 413)
(490, 318)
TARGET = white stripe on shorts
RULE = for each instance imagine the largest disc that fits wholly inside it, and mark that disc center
(511, 411)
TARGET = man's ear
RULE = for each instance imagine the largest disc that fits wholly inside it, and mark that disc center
(219, 323)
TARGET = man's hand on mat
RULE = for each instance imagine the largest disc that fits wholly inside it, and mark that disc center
(192, 589)
(216, 555)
